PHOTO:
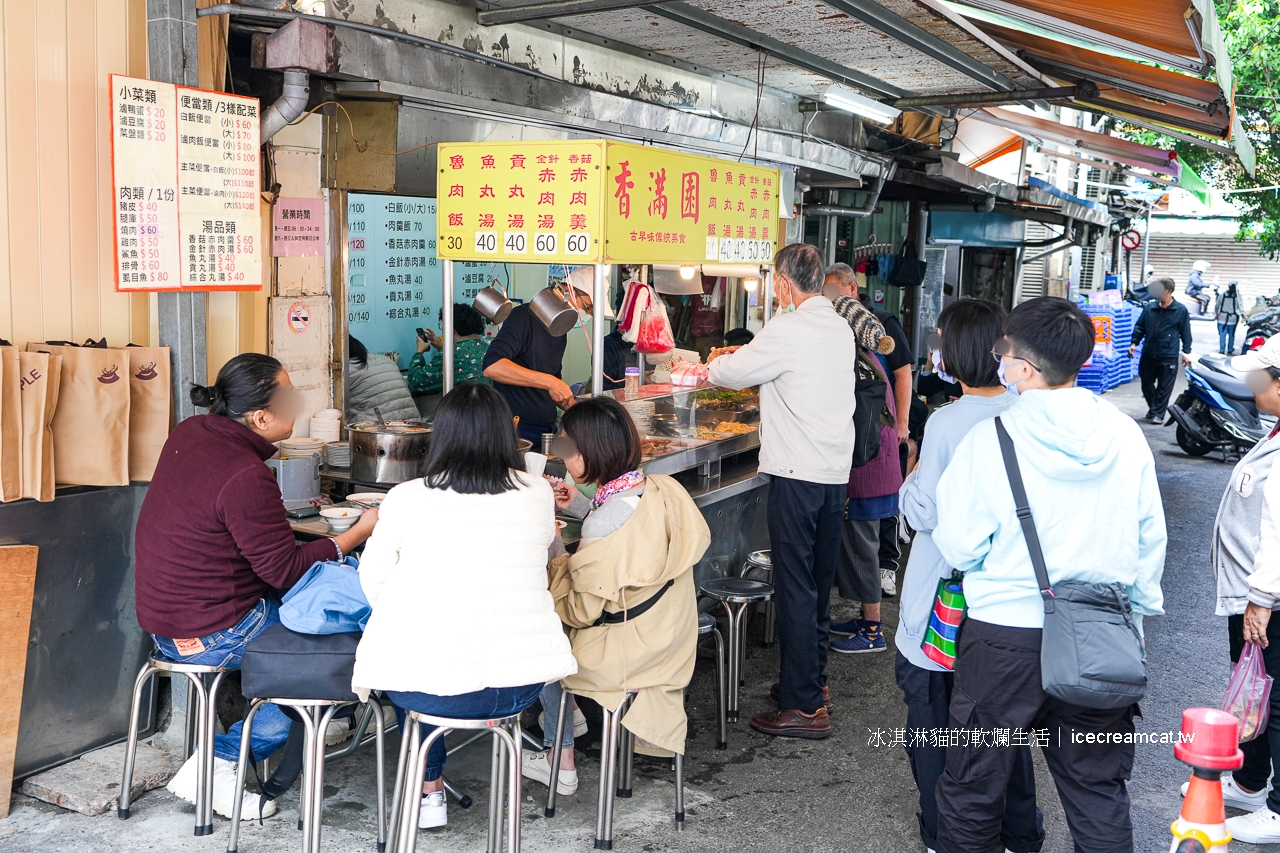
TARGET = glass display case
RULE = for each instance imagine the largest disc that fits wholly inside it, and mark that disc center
(692, 427)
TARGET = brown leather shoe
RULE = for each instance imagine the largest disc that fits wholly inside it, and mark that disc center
(826, 696)
(790, 722)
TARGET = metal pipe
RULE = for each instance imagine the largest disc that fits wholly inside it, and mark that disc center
(1053, 251)
(289, 106)
(1146, 246)
(866, 209)
(447, 298)
(598, 298)
(1084, 89)
(767, 289)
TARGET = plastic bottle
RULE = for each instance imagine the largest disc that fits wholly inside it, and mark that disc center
(631, 384)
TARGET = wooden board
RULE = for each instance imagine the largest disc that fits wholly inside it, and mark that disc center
(17, 586)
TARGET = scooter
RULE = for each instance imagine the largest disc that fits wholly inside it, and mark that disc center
(1217, 411)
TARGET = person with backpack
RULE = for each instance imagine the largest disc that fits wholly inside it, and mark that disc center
(1052, 511)
(967, 331)
(805, 362)
(872, 491)
(1227, 315)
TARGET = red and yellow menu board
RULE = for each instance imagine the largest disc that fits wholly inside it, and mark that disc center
(598, 201)
(186, 179)
(533, 202)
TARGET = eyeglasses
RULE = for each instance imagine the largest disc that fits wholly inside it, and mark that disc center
(1004, 349)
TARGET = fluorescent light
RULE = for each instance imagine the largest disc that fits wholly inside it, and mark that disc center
(750, 284)
(686, 273)
(850, 101)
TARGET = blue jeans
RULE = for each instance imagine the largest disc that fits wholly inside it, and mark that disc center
(551, 705)
(481, 705)
(226, 649)
(1226, 337)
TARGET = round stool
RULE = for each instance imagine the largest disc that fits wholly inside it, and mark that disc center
(759, 566)
(206, 721)
(736, 594)
(707, 625)
(315, 714)
(413, 759)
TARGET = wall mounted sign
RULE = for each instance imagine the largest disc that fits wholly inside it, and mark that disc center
(297, 228)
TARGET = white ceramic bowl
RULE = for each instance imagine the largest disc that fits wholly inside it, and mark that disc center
(341, 518)
(369, 498)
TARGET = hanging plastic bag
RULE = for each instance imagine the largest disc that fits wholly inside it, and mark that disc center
(655, 330)
(1248, 694)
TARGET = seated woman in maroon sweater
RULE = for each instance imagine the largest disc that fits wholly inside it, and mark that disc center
(213, 546)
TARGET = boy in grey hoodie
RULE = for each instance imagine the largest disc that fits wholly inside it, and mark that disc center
(1091, 483)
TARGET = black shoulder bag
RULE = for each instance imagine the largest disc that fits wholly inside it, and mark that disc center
(1091, 653)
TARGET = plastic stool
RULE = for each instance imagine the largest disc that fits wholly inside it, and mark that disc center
(736, 594)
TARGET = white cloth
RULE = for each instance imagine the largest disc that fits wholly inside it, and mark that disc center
(805, 363)
(458, 586)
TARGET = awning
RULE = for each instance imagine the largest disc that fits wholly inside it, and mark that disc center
(1100, 145)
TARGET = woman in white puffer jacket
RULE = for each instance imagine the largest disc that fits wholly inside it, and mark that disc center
(463, 623)
(375, 381)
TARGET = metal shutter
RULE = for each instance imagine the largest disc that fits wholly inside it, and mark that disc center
(1031, 278)
(1174, 255)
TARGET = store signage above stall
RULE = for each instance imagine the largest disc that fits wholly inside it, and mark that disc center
(598, 201)
(185, 178)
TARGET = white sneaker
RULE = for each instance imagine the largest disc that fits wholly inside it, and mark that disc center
(338, 731)
(1235, 798)
(434, 811)
(888, 582)
(1260, 827)
(183, 786)
(537, 766)
(579, 723)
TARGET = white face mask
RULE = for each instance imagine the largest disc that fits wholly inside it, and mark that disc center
(1012, 387)
(936, 358)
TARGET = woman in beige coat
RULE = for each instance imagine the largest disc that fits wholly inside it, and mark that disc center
(628, 593)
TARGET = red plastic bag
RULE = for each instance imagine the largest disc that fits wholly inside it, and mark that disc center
(655, 330)
(1248, 694)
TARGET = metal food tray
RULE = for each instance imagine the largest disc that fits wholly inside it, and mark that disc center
(703, 451)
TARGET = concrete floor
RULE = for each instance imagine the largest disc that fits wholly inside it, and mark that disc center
(767, 794)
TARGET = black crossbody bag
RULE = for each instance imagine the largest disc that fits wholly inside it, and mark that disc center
(1091, 653)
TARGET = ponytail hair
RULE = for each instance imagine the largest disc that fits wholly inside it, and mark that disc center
(245, 384)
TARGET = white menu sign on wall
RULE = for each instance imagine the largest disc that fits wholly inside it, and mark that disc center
(186, 171)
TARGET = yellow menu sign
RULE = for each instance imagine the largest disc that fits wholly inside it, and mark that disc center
(598, 201)
(668, 207)
(533, 202)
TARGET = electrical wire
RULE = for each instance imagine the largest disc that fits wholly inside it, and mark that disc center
(754, 129)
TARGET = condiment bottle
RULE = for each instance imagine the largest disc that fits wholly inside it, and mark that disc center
(631, 384)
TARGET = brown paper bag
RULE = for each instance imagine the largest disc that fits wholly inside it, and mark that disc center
(150, 395)
(10, 425)
(39, 391)
(91, 423)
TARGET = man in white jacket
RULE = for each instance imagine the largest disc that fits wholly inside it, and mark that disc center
(1091, 484)
(804, 361)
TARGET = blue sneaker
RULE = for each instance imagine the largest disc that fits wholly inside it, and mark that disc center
(848, 629)
(870, 639)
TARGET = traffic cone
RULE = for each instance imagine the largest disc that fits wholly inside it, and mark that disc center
(1210, 744)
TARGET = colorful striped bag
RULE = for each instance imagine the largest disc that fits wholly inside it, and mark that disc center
(939, 644)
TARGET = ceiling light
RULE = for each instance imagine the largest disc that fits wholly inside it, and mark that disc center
(850, 101)
(750, 284)
(686, 273)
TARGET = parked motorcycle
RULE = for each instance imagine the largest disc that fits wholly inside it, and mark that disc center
(1217, 411)
(1261, 323)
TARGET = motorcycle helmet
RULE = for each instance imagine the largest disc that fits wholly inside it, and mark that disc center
(1201, 266)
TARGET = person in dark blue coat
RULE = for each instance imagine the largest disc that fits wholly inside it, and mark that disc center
(1162, 325)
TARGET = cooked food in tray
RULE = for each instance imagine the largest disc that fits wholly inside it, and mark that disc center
(735, 428)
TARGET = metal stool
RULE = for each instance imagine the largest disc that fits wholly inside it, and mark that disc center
(736, 594)
(618, 742)
(707, 625)
(206, 720)
(315, 714)
(759, 566)
(413, 755)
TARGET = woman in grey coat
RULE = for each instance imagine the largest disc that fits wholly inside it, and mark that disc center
(1246, 565)
(374, 381)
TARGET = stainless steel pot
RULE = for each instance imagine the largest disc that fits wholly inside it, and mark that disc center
(550, 307)
(388, 452)
(493, 303)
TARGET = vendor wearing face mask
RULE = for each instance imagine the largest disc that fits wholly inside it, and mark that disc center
(524, 363)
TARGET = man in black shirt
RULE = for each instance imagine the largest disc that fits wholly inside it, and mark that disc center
(524, 363)
(1162, 324)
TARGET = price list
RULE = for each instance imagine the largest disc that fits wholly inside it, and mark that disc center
(145, 194)
(393, 275)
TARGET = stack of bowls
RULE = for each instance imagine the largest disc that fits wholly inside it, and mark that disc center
(338, 454)
(326, 425)
(341, 518)
(301, 447)
(641, 412)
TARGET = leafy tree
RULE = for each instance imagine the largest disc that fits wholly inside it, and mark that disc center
(1253, 40)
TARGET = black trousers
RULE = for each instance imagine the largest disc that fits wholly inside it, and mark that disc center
(997, 687)
(804, 535)
(1158, 376)
(927, 694)
(890, 550)
(1262, 754)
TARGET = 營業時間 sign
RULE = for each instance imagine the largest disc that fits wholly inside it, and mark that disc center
(185, 169)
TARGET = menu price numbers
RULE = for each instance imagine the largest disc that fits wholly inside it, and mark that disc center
(515, 243)
(357, 317)
(577, 243)
(733, 251)
(486, 242)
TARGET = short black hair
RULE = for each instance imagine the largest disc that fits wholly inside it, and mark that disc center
(356, 351)
(801, 263)
(606, 437)
(466, 320)
(970, 329)
(1162, 281)
(473, 443)
(738, 337)
(245, 384)
(1054, 334)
